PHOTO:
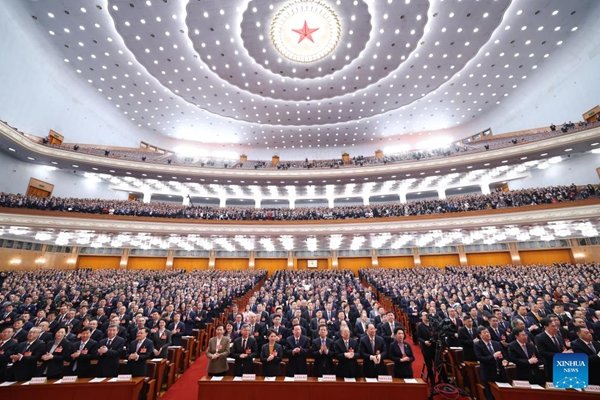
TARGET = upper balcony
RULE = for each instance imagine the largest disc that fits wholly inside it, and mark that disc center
(539, 145)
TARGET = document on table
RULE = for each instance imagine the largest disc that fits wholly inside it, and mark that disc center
(216, 378)
(7, 383)
(371, 380)
(503, 385)
(410, 380)
(112, 380)
(288, 379)
(237, 378)
(349, 379)
(270, 378)
(97, 380)
(538, 387)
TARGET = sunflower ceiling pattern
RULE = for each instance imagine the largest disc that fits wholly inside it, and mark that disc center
(219, 71)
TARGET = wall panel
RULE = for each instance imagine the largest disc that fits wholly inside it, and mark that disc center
(150, 263)
(231, 263)
(354, 263)
(440, 260)
(494, 258)
(396, 262)
(545, 256)
(99, 262)
(190, 264)
(322, 263)
(271, 265)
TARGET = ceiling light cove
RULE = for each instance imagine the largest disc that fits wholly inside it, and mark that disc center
(305, 31)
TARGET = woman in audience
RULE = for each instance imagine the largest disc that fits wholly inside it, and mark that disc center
(402, 355)
(270, 355)
(217, 352)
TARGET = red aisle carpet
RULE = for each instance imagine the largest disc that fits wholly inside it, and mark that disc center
(186, 387)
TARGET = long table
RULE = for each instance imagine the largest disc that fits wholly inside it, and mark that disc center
(516, 393)
(311, 389)
(80, 389)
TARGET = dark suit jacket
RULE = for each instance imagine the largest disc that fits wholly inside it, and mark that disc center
(82, 365)
(8, 349)
(402, 369)
(347, 367)
(161, 343)
(466, 342)
(20, 336)
(54, 368)
(495, 337)
(370, 369)
(524, 370)
(490, 369)
(176, 336)
(25, 368)
(108, 363)
(271, 368)
(547, 349)
(578, 346)
(244, 365)
(297, 362)
(145, 352)
(323, 362)
(358, 328)
(387, 333)
(97, 335)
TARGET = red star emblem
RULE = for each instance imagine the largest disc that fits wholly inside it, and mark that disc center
(305, 32)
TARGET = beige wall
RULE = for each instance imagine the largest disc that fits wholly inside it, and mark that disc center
(28, 259)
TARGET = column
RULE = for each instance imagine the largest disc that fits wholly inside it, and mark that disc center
(169, 265)
(514, 253)
(442, 193)
(257, 203)
(578, 252)
(485, 187)
(290, 260)
(124, 259)
(462, 256)
(222, 201)
(365, 200)
(147, 197)
(292, 203)
(186, 200)
(330, 202)
(251, 260)
(416, 257)
(211, 259)
(402, 197)
(334, 259)
(72, 260)
(374, 259)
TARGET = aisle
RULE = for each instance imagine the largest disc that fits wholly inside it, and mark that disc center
(186, 387)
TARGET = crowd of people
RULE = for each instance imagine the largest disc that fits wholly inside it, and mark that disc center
(329, 316)
(496, 200)
(519, 314)
(84, 322)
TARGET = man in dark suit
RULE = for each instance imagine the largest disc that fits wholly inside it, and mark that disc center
(360, 327)
(491, 360)
(84, 351)
(524, 355)
(548, 344)
(373, 351)
(139, 351)
(96, 334)
(322, 350)
(57, 352)
(387, 329)
(27, 355)
(177, 328)
(585, 344)
(8, 316)
(257, 330)
(297, 348)
(110, 351)
(244, 350)
(19, 334)
(346, 351)
(8, 347)
(466, 337)
(280, 330)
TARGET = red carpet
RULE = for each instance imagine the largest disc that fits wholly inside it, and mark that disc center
(186, 387)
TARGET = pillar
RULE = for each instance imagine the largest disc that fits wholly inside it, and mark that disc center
(257, 203)
(365, 200)
(124, 259)
(462, 256)
(147, 197)
(292, 203)
(169, 265)
(186, 200)
(579, 253)
(442, 193)
(402, 197)
(514, 253)
(334, 259)
(330, 202)
(485, 188)
(211, 259)
(290, 260)
(251, 260)
(416, 257)
(374, 259)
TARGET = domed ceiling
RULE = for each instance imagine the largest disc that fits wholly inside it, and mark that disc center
(305, 73)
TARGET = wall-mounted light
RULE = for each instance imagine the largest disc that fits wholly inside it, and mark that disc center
(15, 261)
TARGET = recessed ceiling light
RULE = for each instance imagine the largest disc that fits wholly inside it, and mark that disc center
(31, 158)
(569, 149)
(74, 165)
(13, 150)
(543, 154)
(94, 169)
(53, 163)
